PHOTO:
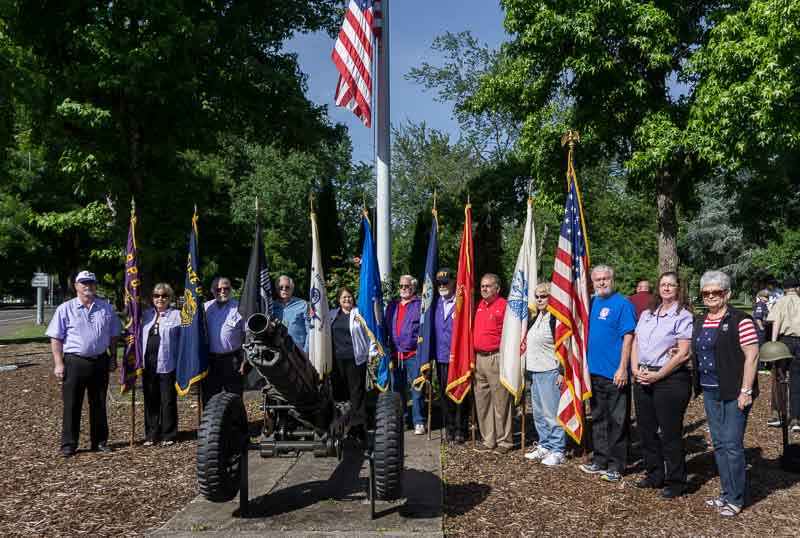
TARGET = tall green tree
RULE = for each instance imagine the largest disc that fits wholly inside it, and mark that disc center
(137, 100)
(618, 72)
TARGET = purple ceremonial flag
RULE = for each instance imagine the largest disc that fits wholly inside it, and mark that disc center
(132, 362)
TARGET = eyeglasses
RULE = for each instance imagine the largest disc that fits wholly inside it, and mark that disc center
(668, 285)
(224, 288)
(542, 296)
(715, 294)
(284, 287)
(161, 296)
(404, 286)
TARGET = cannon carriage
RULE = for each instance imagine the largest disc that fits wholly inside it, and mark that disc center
(300, 415)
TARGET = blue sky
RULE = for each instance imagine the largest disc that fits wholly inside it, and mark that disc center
(414, 25)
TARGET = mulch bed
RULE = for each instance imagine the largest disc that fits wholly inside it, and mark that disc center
(134, 491)
(127, 493)
(490, 494)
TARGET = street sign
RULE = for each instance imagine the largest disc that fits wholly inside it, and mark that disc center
(40, 280)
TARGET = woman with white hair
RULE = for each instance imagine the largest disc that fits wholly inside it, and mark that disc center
(725, 348)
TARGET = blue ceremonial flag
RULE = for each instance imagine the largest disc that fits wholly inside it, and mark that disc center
(193, 338)
(426, 351)
(370, 303)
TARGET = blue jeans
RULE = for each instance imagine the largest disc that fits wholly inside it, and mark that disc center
(545, 395)
(406, 372)
(727, 424)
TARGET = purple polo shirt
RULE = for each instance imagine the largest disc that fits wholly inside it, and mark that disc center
(85, 331)
(443, 327)
(168, 324)
(225, 327)
(656, 334)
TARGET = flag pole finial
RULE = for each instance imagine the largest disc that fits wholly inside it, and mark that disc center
(571, 138)
(311, 200)
(133, 204)
(434, 199)
(256, 206)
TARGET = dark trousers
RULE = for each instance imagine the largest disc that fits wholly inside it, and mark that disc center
(223, 375)
(84, 375)
(350, 383)
(663, 405)
(610, 420)
(793, 342)
(160, 404)
(454, 416)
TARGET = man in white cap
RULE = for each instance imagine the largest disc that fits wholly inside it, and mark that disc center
(83, 337)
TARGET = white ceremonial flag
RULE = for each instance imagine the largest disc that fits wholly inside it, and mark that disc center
(520, 304)
(320, 351)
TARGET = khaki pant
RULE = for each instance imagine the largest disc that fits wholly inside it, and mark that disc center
(493, 402)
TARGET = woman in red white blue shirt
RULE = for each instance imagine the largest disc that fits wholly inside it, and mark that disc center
(725, 346)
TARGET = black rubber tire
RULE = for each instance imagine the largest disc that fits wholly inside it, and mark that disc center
(388, 448)
(221, 441)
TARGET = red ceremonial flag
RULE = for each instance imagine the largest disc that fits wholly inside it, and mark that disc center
(462, 354)
(569, 303)
(353, 55)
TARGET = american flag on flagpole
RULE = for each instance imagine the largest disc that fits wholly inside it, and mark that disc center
(353, 54)
(569, 303)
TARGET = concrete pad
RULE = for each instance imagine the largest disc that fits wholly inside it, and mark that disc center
(308, 496)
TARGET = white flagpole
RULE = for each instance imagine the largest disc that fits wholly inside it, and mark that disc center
(382, 156)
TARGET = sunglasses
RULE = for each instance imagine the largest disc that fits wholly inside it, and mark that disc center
(284, 287)
(160, 296)
(713, 294)
(224, 288)
(542, 296)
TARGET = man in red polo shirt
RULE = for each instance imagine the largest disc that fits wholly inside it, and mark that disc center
(492, 400)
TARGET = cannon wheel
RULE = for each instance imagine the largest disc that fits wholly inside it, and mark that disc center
(388, 451)
(220, 444)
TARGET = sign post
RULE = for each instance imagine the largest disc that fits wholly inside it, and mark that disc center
(40, 281)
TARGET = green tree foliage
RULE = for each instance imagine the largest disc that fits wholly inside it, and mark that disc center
(748, 91)
(605, 68)
(142, 100)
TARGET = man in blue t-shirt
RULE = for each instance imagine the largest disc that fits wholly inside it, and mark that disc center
(612, 321)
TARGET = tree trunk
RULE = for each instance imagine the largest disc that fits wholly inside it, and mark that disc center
(667, 222)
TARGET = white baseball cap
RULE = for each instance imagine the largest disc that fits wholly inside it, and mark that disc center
(85, 276)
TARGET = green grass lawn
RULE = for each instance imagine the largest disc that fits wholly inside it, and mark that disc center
(25, 331)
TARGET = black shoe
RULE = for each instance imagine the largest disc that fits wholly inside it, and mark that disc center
(648, 483)
(670, 492)
(460, 438)
(503, 449)
(68, 452)
(104, 448)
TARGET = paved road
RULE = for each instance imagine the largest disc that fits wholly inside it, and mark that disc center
(12, 319)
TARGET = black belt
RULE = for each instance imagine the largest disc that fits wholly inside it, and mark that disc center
(788, 337)
(221, 355)
(76, 356)
(486, 353)
(657, 368)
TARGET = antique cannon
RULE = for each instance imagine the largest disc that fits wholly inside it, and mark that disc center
(300, 415)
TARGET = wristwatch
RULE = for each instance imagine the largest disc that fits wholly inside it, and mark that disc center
(749, 392)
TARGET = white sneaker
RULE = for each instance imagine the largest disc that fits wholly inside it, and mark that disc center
(419, 429)
(538, 453)
(553, 459)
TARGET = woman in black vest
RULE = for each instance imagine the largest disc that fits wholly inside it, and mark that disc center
(725, 346)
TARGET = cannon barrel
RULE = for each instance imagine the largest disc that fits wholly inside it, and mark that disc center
(288, 372)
